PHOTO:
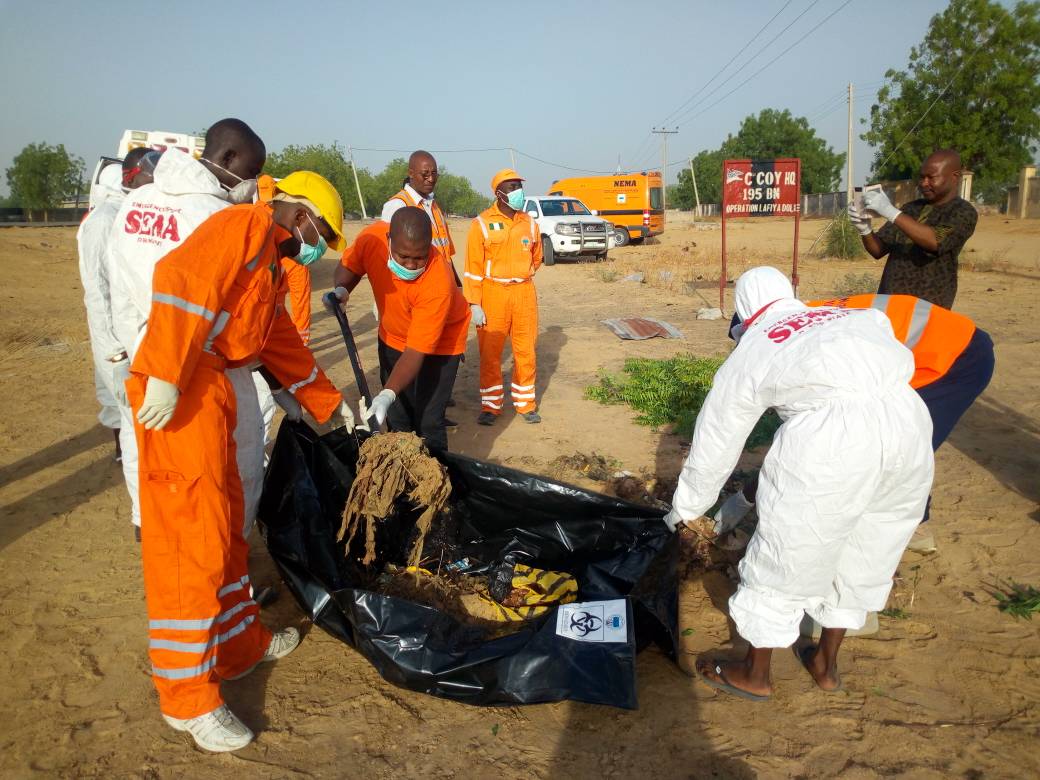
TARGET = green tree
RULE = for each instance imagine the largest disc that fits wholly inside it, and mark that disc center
(330, 162)
(457, 196)
(979, 63)
(41, 176)
(771, 134)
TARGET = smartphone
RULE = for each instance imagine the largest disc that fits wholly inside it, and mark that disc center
(859, 197)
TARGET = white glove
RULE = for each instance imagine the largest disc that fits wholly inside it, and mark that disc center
(160, 401)
(733, 510)
(860, 221)
(289, 404)
(342, 295)
(120, 373)
(878, 202)
(380, 406)
(342, 418)
(479, 317)
(673, 520)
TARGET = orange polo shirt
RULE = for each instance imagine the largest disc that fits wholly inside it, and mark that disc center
(428, 315)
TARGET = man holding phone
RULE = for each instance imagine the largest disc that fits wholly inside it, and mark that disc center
(924, 238)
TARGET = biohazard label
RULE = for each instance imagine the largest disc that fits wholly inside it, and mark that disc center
(593, 621)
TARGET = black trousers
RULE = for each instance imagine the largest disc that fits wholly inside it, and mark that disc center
(420, 406)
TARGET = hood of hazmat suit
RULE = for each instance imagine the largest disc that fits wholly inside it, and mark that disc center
(855, 443)
(108, 186)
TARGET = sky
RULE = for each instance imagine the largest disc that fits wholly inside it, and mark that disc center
(572, 84)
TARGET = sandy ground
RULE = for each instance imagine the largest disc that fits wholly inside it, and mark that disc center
(949, 691)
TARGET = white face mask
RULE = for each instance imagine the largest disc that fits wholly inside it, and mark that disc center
(243, 192)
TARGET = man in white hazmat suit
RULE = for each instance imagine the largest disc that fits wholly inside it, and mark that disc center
(156, 219)
(844, 484)
(111, 367)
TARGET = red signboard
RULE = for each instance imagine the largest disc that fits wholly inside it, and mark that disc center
(761, 188)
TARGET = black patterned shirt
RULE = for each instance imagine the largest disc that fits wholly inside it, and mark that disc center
(910, 270)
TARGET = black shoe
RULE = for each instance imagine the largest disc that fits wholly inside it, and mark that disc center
(450, 423)
(265, 596)
(486, 418)
(532, 417)
(137, 534)
(451, 402)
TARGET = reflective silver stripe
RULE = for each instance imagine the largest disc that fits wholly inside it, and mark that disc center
(183, 674)
(440, 242)
(918, 322)
(534, 230)
(513, 280)
(492, 405)
(880, 303)
(474, 277)
(217, 329)
(233, 587)
(180, 303)
(522, 387)
(200, 625)
(491, 397)
(490, 389)
(202, 647)
(304, 382)
(483, 227)
(521, 395)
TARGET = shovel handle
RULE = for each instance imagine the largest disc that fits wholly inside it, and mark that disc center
(332, 303)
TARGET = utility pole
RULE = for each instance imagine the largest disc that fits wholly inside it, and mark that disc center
(664, 133)
(848, 156)
(696, 195)
(512, 157)
(357, 185)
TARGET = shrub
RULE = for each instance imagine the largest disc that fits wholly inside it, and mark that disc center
(670, 391)
(855, 284)
(841, 240)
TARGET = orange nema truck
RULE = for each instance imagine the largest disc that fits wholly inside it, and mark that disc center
(631, 202)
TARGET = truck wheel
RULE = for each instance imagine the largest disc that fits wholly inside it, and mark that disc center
(621, 237)
(548, 256)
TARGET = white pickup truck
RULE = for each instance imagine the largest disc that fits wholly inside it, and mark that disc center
(568, 228)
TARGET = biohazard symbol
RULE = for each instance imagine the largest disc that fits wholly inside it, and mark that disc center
(584, 623)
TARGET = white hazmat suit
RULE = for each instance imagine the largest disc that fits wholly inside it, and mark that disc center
(846, 480)
(152, 221)
(92, 238)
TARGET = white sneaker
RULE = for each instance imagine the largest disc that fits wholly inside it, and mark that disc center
(922, 541)
(282, 643)
(218, 731)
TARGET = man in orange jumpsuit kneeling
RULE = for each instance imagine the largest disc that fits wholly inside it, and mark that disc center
(217, 303)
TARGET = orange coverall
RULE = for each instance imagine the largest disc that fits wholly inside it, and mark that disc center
(502, 255)
(298, 278)
(216, 302)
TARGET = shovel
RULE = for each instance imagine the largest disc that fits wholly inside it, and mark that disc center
(332, 303)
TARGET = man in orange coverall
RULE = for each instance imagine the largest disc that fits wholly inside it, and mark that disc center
(297, 275)
(502, 254)
(217, 303)
(423, 321)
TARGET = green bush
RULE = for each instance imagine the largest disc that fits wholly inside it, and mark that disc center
(841, 240)
(671, 391)
(855, 284)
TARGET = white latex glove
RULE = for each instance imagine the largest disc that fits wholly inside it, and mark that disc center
(342, 295)
(342, 418)
(289, 404)
(733, 510)
(878, 202)
(860, 221)
(380, 406)
(479, 317)
(160, 401)
(673, 520)
(120, 373)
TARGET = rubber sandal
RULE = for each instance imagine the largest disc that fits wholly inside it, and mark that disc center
(724, 685)
(801, 654)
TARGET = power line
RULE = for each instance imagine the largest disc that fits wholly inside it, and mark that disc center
(725, 81)
(723, 68)
(781, 54)
(559, 165)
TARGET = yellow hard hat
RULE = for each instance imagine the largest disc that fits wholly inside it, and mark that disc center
(319, 191)
(506, 174)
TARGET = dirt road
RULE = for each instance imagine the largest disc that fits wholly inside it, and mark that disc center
(951, 690)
